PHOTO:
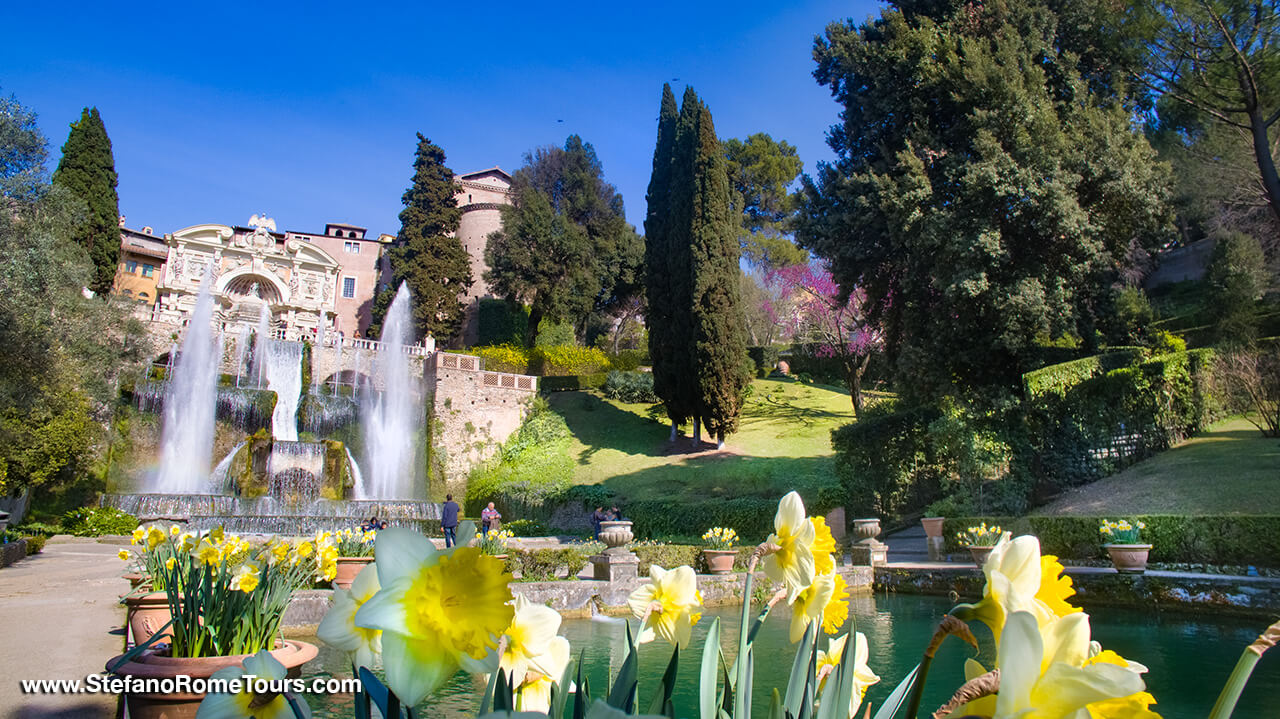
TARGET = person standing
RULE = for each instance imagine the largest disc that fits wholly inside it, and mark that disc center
(597, 517)
(490, 519)
(449, 520)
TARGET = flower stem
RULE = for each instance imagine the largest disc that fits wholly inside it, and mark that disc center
(1231, 691)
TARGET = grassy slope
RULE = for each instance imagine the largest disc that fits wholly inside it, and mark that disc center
(1231, 469)
(784, 443)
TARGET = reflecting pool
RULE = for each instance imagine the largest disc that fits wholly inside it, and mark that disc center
(1189, 658)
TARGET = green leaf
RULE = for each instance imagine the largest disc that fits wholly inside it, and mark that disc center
(560, 693)
(707, 673)
(893, 703)
(502, 696)
(623, 693)
(487, 700)
(844, 695)
(662, 697)
(581, 699)
(801, 671)
(775, 705)
(377, 693)
(744, 696)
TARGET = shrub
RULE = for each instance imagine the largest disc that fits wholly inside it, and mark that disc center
(752, 517)
(544, 565)
(629, 360)
(504, 358)
(35, 543)
(526, 528)
(674, 555)
(566, 360)
(1236, 277)
(97, 521)
(567, 384)
(764, 358)
(885, 463)
(40, 529)
(532, 467)
(633, 387)
(500, 322)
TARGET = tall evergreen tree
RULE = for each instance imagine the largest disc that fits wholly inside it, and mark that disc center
(428, 256)
(667, 276)
(719, 337)
(88, 170)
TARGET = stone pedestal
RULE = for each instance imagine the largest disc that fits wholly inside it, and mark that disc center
(869, 552)
(937, 549)
(620, 567)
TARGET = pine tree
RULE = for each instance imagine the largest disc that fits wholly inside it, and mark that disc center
(719, 338)
(428, 254)
(87, 170)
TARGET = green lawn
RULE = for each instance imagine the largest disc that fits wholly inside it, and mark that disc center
(784, 443)
(1230, 469)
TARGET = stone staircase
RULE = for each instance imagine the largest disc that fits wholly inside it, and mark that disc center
(908, 545)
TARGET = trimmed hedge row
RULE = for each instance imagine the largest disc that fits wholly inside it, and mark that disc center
(668, 556)
(1210, 539)
(544, 565)
(750, 517)
(572, 382)
(1059, 377)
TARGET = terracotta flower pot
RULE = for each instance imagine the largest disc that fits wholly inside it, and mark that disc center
(137, 579)
(1129, 558)
(183, 705)
(932, 526)
(979, 554)
(147, 613)
(348, 568)
(719, 561)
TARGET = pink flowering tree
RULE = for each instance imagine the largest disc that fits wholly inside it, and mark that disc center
(815, 311)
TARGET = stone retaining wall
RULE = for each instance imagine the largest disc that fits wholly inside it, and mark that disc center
(1161, 591)
(573, 599)
(12, 552)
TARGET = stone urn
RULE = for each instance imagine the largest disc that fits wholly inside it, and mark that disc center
(864, 529)
(979, 554)
(147, 613)
(157, 664)
(719, 561)
(348, 568)
(932, 526)
(616, 535)
(1129, 558)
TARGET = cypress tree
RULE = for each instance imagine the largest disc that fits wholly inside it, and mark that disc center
(719, 345)
(88, 170)
(664, 271)
(428, 255)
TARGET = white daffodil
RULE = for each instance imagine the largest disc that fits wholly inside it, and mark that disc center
(810, 603)
(246, 704)
(435, 608)
(1038, 679)
(793, 534)
(1020, 579)
(534, 693)
(863, 677)
(338, 628)
(529, 640)
(668, 605)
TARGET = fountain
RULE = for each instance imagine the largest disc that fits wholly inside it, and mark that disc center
(391, 418)
(187, 439)
(276, 483)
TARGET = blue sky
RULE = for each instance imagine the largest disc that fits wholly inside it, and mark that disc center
(308, 112)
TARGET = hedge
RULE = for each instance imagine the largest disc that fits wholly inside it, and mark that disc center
(675, 555)
(885, 465)
(750, 517)
(544, 565)
(1208, 539)
(575, 382)
(1060, 377)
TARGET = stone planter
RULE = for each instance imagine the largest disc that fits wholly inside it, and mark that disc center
(147, 613)
(979, 554)
(932, 526)
(616, 563)
(1129, 558)
(616, 536)
(348, 568)
(719, 561)
(864, 529)
(153, 664)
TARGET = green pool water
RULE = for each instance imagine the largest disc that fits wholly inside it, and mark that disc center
(1189, 658)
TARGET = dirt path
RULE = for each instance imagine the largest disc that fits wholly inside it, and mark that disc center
(59, 619)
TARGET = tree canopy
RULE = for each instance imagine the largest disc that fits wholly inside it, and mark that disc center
(565, 247)
(985, 192)
(427, 255)
(761, 171)
(88, 170)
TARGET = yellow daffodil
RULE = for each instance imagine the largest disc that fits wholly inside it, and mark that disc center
(434, 607)
(792, 564)
(810, 603)
(824, 545)
(1134, 706)
(216, 534)
(534, 694)
(139, 534)
(670, 602)
(338, 627)
(246, 578)
(208, 553)
(836, 613)
(186, 542)
(863, 677)
(1055, 587)
(124, 555)
(170, 563)
(155, 536)
(1041, 680)
(1019, 579)
(247, 704)
(174, 530)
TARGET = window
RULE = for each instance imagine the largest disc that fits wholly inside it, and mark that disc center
(348, 287)
(352, 247)
(351, 233)
(127, 293)
(131, 267)
(148, 270)
(143, 295)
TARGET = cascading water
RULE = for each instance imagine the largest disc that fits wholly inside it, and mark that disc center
(282, 370)
(259, 344)
(357, 477)
(391, 417)
(187, 434)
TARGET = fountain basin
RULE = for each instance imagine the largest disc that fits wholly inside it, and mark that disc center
(267, 515)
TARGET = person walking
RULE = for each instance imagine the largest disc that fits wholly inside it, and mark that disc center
(449, 520)
(490, 519)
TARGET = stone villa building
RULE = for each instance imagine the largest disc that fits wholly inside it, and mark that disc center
(314, 284)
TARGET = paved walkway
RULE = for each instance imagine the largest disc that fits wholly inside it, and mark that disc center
(59, 619)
